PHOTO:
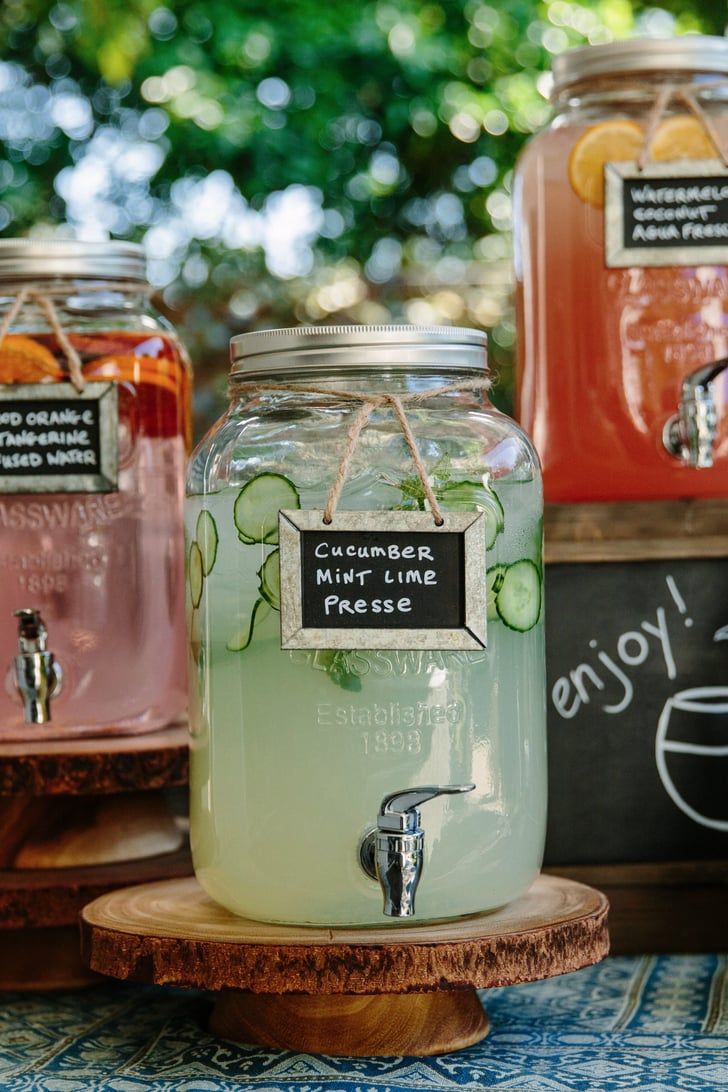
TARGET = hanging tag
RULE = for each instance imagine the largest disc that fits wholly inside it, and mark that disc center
(54, 439)
(672, 213)
(382, 580)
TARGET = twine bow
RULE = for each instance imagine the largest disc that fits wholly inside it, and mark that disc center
(369, 403)
(28, 295)
(686, 94)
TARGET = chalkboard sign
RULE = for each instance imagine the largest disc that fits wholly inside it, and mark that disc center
(668, 214)
(382, 580)
(54, 439)
(637, 657)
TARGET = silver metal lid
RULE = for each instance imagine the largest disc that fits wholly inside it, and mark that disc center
(679, 56)
(51, 259)
(321, 347)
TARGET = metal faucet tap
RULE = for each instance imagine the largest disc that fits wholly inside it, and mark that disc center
(38, 676)
(393, 851)
(690, 433)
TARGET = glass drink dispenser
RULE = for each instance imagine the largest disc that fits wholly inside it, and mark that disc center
(366, 633)
(94, 431)
(621, 214)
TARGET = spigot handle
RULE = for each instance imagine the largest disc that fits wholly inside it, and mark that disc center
(398, 810)
(38, 675)
(393, 852)
(32, 632)
(690, 433)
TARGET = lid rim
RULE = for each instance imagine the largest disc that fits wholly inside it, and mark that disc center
(27, 258)
(320, 347)
(687, 53)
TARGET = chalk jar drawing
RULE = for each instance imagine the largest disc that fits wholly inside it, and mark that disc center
(710, 701)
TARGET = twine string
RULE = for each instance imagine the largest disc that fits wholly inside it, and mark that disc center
(75, 368)
(398, 408)
(369, 403)
(46, 305)
(13, 311)
(352, 439)
(686, 94)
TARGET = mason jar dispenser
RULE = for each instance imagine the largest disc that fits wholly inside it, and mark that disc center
(621, 217)
(364, 558)
(94, 431)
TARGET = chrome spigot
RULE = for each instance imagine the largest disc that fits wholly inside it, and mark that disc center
(37, 674)
(690, 433)
(393, 851)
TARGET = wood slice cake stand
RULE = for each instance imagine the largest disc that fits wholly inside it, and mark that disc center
(78, 818)
(352, 991)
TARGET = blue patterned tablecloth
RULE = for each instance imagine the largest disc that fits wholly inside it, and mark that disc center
(652, 1023)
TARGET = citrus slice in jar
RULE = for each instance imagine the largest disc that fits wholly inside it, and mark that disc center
(682, 137)
(152, 392)
(23, 360)
(137, 370)
(607, 142)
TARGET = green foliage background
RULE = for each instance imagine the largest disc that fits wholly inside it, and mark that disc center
(295, 162)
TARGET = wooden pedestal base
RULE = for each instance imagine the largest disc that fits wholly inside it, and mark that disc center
(354, 1025)
(107, 764)
(43, 959)
(78, 818)
(376, 991)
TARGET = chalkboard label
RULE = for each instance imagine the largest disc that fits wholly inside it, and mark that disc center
(382, 580)
(54, 439)
(672, 213)
(637, 661)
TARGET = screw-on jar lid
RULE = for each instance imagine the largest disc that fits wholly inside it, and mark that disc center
(673, 56)
(53, 259)
(322, 347)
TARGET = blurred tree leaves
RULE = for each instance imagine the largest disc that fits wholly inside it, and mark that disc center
(295, 163)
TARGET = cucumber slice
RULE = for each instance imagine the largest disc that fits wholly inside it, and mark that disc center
(207, 539)
(468, 497)
(494, 518)
(258, 504)
(240, 640)
(195, 635)
(519, 600)
(195, 574)
(494, 581)
(269, 575)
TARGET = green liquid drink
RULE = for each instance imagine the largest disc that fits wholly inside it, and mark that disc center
(293, 751)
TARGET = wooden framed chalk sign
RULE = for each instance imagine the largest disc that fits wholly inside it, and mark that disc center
(673, 213)
(55, 439)
(382, 580)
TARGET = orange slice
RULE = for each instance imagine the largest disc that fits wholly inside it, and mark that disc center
(126, 361)
(682, 137)
(607, 142)
(23, 360)
(137, 370)
(136, 377)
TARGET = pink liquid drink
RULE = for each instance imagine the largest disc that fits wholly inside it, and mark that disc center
(104, 569)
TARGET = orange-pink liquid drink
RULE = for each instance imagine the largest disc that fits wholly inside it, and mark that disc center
(603, 352)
